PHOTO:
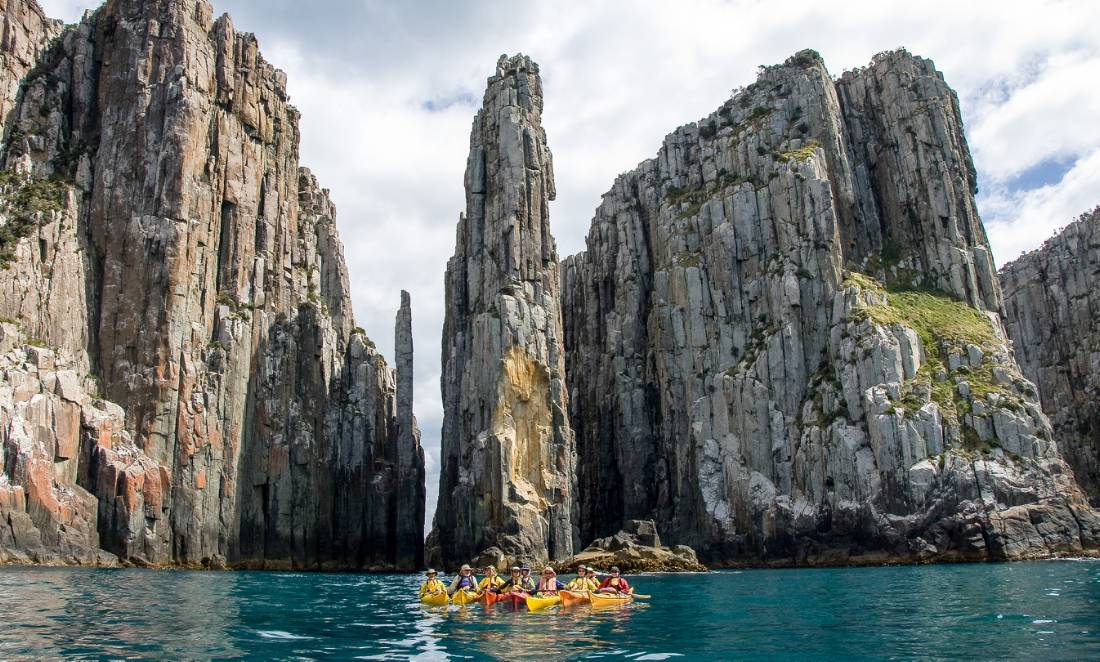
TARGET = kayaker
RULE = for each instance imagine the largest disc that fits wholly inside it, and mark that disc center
(549, 584)
(615, 583)
(582, 582)
(515, 583)
(528, 583)
(433, 585)
(492, 581)
(463, 580)
(593, 580)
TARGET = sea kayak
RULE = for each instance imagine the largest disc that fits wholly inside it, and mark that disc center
(434, 599)
(465, 597)
(542, 601)
(489, 598)
(570, 598)
(518, 598)
(609, 599)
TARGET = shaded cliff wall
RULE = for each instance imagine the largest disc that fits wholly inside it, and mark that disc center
(192, 269)
(1053, 318)
(784, 344)
(507, 447)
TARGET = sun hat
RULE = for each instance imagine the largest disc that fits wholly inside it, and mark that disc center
(465, 566)
(431, 571)
(548, 571)
(614, 568)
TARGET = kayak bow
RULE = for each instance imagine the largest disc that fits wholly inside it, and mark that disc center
(610, 599)
(465, 597)
(570, 598)
(535, 602)
(519, 598)
(434, 599)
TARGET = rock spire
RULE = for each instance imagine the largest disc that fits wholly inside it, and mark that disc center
(508, 449)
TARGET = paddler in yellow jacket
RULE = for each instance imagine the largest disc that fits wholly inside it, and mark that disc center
(433, 585)
(582, 582)
(492, 581)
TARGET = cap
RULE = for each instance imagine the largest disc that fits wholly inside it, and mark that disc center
(526, 567)
(431, 571)
(614, 568)
(515, 568)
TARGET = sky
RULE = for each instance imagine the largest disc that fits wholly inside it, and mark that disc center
(388, 90)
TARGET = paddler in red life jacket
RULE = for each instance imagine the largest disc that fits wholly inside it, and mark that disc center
(614, 584)
(549, 584)
(463, 580)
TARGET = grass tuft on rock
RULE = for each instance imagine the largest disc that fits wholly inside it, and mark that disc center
(23, 199)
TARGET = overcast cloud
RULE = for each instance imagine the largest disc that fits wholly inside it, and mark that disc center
(388, 91)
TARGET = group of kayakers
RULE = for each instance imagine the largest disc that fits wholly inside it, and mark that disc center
(522, 581)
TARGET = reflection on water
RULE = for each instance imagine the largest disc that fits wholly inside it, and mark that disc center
(1039, 610)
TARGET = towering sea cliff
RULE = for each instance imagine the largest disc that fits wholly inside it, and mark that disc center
(183, 382)
(507, 457)
(1053, 317)
(784, 339)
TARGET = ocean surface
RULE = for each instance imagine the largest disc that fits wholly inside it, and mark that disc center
(1035, 611)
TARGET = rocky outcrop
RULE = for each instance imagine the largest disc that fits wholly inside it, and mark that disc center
(1053, 317)
(637, 548)
(784, 339)
(507, 447)
(160, 234)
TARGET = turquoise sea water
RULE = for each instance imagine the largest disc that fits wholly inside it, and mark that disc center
(1039, 610)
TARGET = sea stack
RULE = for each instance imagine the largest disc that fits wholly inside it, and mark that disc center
(409, 515)
(507, 449)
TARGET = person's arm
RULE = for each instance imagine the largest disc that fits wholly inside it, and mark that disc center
(454, 585)
(625, 588)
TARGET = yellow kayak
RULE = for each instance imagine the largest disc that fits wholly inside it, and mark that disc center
(465, 597)
(609, 599)
(535, 602)
(434, 599)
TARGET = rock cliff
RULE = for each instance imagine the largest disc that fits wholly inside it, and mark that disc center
(1053, 317)
(210, 400)
(507, 447)
(784, 339)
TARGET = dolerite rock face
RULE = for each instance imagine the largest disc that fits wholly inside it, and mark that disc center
(784, 341)
(161, 236)
(1052, 305)
(508, 455)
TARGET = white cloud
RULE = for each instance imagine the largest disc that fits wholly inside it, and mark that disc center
(618, 76)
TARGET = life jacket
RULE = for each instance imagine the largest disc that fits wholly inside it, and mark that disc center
(553, 586)
(432, 586)
(491, 582)
(583, 584)
(617, 583)
(466, 582)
